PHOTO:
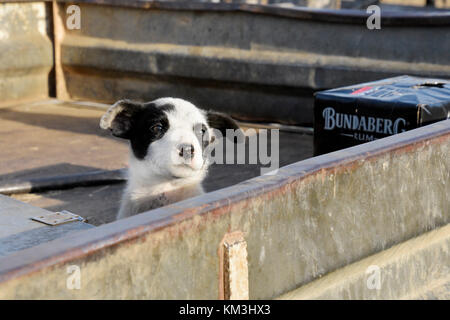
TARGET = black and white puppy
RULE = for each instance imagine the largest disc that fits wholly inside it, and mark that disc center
(168, 138)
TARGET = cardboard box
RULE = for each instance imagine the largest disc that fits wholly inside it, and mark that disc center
(349, 116)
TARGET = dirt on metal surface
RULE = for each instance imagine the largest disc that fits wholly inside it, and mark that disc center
(49, 138)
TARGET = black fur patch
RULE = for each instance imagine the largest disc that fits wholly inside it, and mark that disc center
(222, 122)
(142, 134)
(135, 123)
(123, 122)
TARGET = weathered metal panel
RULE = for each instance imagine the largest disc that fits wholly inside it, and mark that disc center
(15, 216)
(415, 269)
(26, 51)
(18, 231)
(308, 219)
(255, 62)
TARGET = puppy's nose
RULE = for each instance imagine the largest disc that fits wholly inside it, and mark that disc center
(186, 150)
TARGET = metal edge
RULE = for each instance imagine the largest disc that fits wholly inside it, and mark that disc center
(347, 16)
(60, 182)
(90, 242)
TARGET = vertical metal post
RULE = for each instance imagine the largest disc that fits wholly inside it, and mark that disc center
(233, 271)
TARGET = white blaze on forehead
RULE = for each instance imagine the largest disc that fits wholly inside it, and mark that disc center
(183, 119)
(184, 113)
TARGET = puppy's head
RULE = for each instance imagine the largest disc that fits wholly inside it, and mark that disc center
(169, 135)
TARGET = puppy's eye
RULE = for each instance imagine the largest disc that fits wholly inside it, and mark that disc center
(156, 129)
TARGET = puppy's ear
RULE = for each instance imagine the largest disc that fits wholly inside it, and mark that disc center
(222, 122)
(120, 117)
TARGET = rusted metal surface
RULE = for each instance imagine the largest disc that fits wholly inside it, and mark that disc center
(243, 59)
(303, 219)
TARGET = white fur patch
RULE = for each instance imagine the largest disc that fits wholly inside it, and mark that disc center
(163, 176)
